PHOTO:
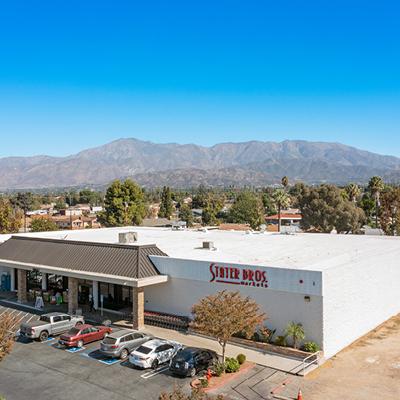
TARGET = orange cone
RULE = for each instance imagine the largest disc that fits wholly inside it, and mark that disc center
(299, 395)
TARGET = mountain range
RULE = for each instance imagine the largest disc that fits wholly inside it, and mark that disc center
(254, 163)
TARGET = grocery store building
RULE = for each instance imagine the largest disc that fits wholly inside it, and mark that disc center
(338, 286)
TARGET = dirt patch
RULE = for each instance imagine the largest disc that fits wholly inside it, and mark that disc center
(367, 369)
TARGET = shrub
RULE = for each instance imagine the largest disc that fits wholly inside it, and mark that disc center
(264, 335)
(241, 358)
(203, 382)
(280, 340)
(311, 347)
(231, 365)
(219, 368)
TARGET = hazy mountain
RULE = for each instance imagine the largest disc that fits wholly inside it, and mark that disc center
(152, 164)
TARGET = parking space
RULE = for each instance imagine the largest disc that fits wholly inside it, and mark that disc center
(47, 370)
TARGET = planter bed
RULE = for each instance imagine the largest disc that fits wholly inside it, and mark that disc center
(271, 348)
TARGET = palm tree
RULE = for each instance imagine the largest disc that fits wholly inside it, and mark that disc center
(281, 200)
(285, 181)
(376, 185)
(353, 191)
(296, 331)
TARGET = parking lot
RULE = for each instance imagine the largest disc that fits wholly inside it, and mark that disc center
(47, 371)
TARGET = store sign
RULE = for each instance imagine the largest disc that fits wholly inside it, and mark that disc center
(238, 276)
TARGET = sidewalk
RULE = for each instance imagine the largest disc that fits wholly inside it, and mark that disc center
(266, 359)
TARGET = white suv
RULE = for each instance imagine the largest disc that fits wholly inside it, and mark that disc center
(153, 353)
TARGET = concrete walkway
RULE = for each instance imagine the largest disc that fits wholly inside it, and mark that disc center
(274, 361)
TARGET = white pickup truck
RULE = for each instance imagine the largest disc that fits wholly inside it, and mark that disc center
(49, 324)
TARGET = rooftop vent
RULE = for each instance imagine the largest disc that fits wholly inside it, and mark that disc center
(127, 237)
(208, 245)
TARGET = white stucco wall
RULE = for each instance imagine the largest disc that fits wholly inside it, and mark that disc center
(189, 281)
(358, 298)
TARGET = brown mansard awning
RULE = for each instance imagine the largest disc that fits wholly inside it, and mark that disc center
(125, 261)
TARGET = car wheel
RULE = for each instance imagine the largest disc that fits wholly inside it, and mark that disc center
(124, 353)
(193, 372)
(154, 364)
(79, 323)
(43, 336)
(80, 343)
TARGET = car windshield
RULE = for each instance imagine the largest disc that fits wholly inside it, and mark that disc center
(144, 349)
(109, 340)
(44, 318)
(73, 331)
(184, 355)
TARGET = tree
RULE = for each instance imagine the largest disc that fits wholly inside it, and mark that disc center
(281, 200)
(353, 192)
(296, 332)
(185, 214)
(323, 209)
(7, 322)
(166, 206)
(10, 219)
(223, 314)
(390, 211)
(43, 225)
(248, 209)
(24, 201)
(123, 204)
(285, 182)
(376, 185)
(268, 202)
(212, 205)
(179, 394)
(91, 197)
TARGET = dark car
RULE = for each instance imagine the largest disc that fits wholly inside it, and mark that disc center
(191, 360)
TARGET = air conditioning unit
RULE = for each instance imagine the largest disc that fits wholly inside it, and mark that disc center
(208, 245)
(127, 237)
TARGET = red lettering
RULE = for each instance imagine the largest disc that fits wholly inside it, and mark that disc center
(212, 272)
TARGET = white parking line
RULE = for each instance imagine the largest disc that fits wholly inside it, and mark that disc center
(150, 374)
(30, 318)
(4, 311)
(19, 320)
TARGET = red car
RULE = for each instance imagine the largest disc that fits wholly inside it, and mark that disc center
(85, 333)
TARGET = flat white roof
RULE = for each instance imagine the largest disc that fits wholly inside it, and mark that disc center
(300, 251)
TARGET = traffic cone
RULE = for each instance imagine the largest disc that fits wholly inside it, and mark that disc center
(299, 395)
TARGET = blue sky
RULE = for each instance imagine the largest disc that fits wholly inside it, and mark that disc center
(78, 74)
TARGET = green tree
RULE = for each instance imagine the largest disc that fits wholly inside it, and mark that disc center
(376, 185)
(166, 205)
(43, 225)
(10, 218)
(285, 182)
(367, 203)
(91, 197)
(24, 201)
(123, 204)
(212, 205)
(248, 209)
(223, 314)
(353, 192)
(185, 214)
(323, 208)
(268, 203)
(282, 200)
(296, 332)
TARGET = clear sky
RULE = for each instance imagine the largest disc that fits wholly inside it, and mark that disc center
(75, 74)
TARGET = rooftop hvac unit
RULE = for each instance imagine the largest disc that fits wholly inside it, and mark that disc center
(127, 237)
(208, 245)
